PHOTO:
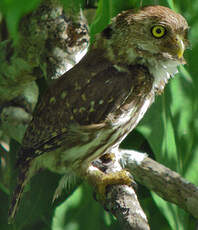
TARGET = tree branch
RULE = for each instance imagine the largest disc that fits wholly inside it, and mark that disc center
(49, 44)
(166, 183)
(120, 199)
(123, 203)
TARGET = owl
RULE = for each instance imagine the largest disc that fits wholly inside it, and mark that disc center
(95, 105)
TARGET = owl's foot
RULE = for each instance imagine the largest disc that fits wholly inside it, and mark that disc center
(101, 180)
(117, 178)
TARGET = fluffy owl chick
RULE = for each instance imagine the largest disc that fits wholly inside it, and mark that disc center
(91, 109)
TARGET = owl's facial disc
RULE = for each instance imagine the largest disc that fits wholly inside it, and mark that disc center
(172, 43)
(160, 32)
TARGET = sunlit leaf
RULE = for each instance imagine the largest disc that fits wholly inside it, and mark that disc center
(168, 127)
(80, 211)
(14, 10)
(103, 16)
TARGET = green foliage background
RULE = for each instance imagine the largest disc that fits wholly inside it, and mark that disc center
(168, 133)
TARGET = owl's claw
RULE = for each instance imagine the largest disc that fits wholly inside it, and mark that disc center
(117, 178)
(101, 180)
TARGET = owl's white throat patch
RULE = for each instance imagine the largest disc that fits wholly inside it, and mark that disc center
(162, 71)
(160, 67)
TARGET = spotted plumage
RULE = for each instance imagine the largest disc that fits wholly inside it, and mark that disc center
(91, 109)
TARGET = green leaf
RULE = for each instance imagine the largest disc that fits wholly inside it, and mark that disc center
(73, 5)
(80, 211)
(103, 16)
(108, 9)
(170, 130)
(120, 5)
(14, 10)
(35, 207)
(170, 212)
(171, 4)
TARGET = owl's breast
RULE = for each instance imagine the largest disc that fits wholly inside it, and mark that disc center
(137, 101)
(128, 119)
(91, 143)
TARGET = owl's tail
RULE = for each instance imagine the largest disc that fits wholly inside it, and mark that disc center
(22, 181)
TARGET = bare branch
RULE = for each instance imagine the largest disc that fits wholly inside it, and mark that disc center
(166, 183)
(121, 200)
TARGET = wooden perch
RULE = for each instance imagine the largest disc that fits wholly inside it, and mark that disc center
(122, 200)
(123, 203)
(166, 183)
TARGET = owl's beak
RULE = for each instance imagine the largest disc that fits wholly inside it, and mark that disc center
(181, 47)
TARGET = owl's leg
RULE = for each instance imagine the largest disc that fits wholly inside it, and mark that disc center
(100, 178)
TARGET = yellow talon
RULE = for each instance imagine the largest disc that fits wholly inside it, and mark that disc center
(101, 180)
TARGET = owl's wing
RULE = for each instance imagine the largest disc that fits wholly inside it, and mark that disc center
(85, 96)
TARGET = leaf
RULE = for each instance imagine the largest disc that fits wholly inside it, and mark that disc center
(120, 5)
(35, 207)
(80, 211)
(171, 4)
(170, 131)
(170, 212)
(14, 10)
(73, 5)
(103, 16)
(108, 9)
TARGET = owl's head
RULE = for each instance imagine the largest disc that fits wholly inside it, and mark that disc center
(150, 31)
(154, 36)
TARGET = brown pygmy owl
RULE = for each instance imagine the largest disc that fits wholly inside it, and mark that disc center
(92, 108)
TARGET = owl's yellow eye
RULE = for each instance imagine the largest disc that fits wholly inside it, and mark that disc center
(158, 31)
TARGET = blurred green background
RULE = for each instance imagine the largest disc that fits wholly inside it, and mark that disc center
(168, 133)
